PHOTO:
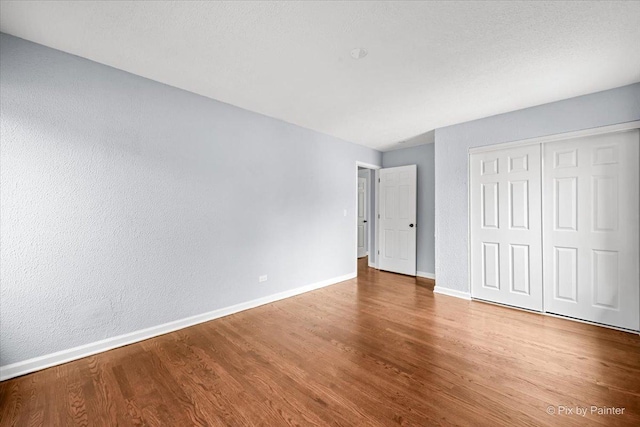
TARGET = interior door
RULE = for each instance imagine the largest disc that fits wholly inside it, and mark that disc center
(505, 215)
(362, 217)
(398, 192)
(591, 227)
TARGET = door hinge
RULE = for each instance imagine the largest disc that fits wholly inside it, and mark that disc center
(378, 252)
(378, 216)
(378, 179)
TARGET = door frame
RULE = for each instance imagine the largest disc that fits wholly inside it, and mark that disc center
(367, 214)
(373, 174)
(557, 137)
(619, 127)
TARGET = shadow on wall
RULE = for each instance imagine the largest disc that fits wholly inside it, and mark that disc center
(423, 138)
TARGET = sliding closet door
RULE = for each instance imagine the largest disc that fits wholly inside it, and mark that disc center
(506, 253)
(591, 228)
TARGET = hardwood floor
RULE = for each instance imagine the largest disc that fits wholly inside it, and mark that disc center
(379, 350)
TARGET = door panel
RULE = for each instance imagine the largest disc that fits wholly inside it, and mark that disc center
(519, 269)
(490, 213)
(491, 265)
(565, 268)
(519, 205)
(398, 192)
(605, 279)
(605, 202)
(506, 253)
(565, 203)
(591, 234)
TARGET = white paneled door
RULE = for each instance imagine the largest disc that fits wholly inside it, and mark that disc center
(505, 215)
(362, 217)
(591, 228)
(397, 208)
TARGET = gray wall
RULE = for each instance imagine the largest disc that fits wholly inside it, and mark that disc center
(451, 148)
(423, 156)
(126, 203)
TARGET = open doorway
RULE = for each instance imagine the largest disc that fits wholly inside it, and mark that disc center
(363, 212)
(385, 220)
(365, 216)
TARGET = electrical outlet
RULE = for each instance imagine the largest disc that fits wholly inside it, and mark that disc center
(262, 278)
(345, 212)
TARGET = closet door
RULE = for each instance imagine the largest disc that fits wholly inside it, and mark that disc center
(591, 229)
(505, 214)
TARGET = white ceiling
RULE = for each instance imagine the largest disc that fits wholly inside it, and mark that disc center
(430, 64)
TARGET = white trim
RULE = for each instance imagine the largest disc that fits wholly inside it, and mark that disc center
(469, 274)
(452, 293)
(431, 276)
(367, 165)
(64, 356)
(542, 221)
(376, 211)
(557, 137)
(355, 215)
(367, 220)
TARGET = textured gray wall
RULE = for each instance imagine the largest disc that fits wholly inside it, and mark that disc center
(126, 203)
(423, 156)
(451, 148)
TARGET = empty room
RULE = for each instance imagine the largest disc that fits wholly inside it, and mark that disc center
(314, 213)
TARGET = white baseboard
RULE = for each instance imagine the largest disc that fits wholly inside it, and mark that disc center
(426, 275)
(452, 292)
(64, 356)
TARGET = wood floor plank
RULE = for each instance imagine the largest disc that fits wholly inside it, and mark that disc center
(378, 350)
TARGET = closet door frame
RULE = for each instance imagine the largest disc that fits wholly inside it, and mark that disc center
(536, 141)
